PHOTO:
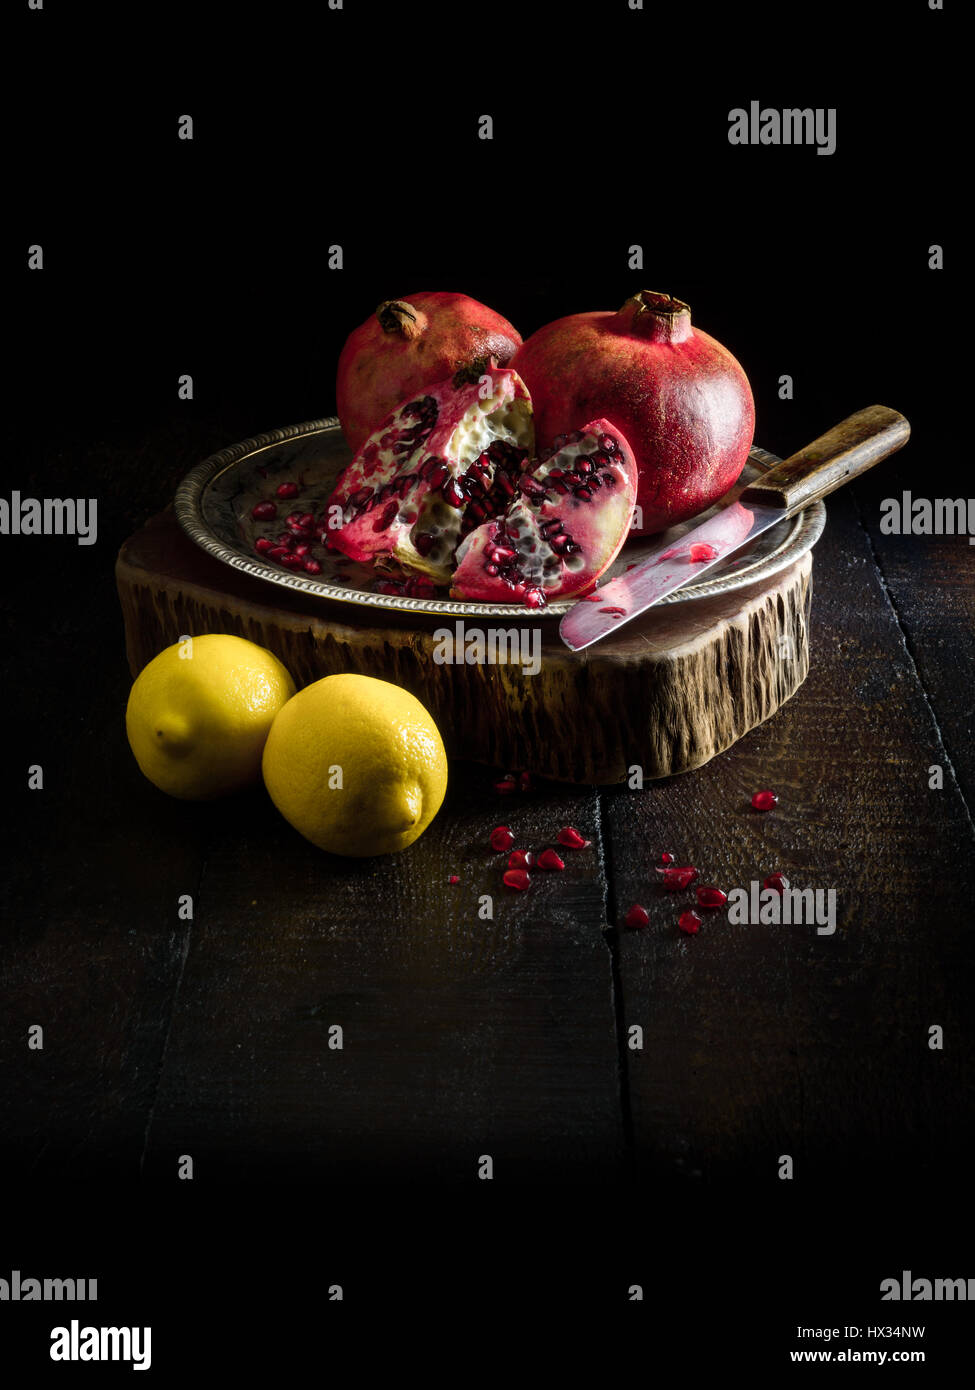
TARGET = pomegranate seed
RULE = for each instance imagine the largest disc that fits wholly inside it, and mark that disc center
(517, 878)
(453, 494)
(303, 548)
(264, 511)
(421, 588)
(521, 859)
(508, 784)
(614, 612)
(306, 521)
(288, 489)
(711, 897)
(276, 552)
(525, 781)
(666, 858)
(778, 882)
(607, 443)
(592, 598)
(703, 552)
(678, 878)
(501, 838)
(262, 545)
(637, 916)
(385, 517)
(454, 878)
(690, 922)
(571, 838)
(291, 561)
(312, 566)
(424, 542)
(764, 801)
(548, 859)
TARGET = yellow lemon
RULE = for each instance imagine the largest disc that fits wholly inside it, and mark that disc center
(199, 714)
(356, 765)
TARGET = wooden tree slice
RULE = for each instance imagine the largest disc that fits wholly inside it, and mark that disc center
(666, 693)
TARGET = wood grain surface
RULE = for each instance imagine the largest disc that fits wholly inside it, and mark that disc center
(666, 693)
(510, 1036)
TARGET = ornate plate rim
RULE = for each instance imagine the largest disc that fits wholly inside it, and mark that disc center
(807, 527)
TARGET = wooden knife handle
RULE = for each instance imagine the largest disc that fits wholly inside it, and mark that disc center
(842, 453)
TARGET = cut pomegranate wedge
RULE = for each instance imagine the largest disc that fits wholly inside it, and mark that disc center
(435, 468)
(561, 530)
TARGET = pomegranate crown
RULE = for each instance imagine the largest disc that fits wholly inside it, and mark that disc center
(660, 317)
(396, 316)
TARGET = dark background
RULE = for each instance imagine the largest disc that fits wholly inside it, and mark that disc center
(164, 257)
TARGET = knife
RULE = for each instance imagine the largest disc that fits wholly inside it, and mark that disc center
(842, 453)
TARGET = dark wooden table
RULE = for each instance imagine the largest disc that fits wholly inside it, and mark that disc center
(209, 1037)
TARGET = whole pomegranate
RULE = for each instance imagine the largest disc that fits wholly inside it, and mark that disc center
(408, 345)
(681, 399)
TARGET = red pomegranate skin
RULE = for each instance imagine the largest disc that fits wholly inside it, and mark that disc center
(680, 397)
(409, 344)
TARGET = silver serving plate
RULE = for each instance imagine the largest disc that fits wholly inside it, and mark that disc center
(214, 503)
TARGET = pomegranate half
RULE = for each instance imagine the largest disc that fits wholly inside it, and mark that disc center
(407, 346)
(564, 526)
(681, 399)
(435, 468)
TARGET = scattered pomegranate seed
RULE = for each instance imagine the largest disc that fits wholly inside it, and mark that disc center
(690, 922)
(517, 878)
(262, 545)
(666, 858)
(637, 916)
(291, 561)
(571, 838)
(764, 801)
(303, 548)
(454, 878)
(501, 838)
(506, 785)
(288, 490)
(277, 551)
(677, 878)
(312, 566)
(701, 551)
(711, 897)
(524, 781)
(776, 881)
(264, 511)
(548, 859)
(591, 598)
(521, 859)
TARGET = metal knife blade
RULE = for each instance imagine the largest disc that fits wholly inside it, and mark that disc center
(665, 570)
(836, 457)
